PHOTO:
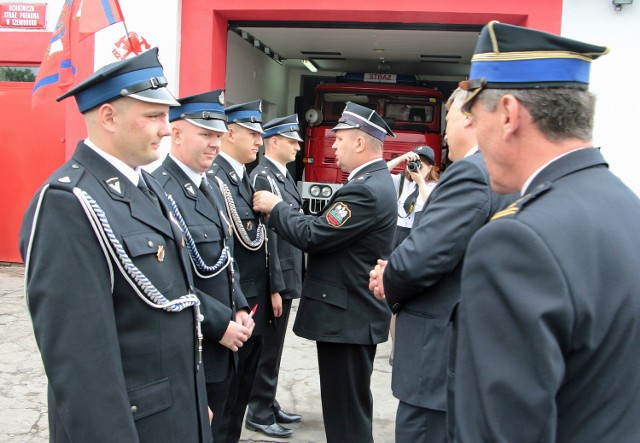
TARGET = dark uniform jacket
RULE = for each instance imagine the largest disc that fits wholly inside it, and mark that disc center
(210, 229)
(256, 279)
(290, 258)
(343, 242)
(549, 317)
(422, 279)
(118, 369)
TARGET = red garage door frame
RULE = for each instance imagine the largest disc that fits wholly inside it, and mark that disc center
(207, 48)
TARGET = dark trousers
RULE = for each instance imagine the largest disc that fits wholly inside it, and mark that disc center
(216, 398)
(239, 391)
(420, 425)
(262, 403)
(347, 403)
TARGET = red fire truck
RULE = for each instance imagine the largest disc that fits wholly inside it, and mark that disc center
(412, 111)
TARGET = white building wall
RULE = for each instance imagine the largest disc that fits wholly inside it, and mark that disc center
(252, 75)
(612, 78)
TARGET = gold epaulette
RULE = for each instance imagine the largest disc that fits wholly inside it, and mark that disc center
(519, 204)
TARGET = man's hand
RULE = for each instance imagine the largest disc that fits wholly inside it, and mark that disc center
(276, 302)
(243, 318)
(235, 336)
(264, 201)
(376, 284)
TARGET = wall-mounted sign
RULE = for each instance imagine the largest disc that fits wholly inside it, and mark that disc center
(23, 15)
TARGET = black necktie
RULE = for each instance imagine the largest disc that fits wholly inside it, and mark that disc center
(245, 183)
(148, 192)
(290, 179)
(204, 187)
(410, 202)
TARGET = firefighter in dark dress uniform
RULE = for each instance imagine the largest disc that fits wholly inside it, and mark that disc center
(108, 280)
(197, 126)
(258, 278)
(549, 318)
(281, 143)
(343, 241)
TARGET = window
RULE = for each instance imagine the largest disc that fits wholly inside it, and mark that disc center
(17, 74)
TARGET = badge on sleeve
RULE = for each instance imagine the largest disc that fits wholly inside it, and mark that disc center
(338, 214)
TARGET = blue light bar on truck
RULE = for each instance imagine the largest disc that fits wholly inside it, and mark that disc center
(378, 77)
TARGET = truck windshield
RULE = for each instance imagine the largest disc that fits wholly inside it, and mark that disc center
(396, 109)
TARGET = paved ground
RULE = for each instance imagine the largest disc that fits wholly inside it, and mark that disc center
(23, 417)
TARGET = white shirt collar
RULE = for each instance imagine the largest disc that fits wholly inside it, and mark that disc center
(235, 164)
(126, 170)
(281, 167)
(527, 183)
(193, 175)
(472, 151)
(359, 168)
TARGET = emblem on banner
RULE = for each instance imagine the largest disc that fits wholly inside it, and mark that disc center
(131, 44)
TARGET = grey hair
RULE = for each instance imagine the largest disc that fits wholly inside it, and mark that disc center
(456, 99)
(559, 113)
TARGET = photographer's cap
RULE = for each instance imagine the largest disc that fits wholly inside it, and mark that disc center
(356, 116)
(513, 57)
(427, 153)
(248, 115)
(286, 126)
(205, 110)
(140, 77)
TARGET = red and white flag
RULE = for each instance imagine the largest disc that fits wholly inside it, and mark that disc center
(79, 19)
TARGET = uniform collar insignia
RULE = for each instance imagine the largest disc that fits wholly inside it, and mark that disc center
(234, 176)
(64, 179)
(189, 188)
(114, 183)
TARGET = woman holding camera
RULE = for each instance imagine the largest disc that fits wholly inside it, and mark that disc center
(413, 187)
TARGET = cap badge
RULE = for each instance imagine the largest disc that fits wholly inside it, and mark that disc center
(221, 98)
(338, 214)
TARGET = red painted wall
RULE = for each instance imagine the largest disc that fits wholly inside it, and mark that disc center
(33, 147)
(207, 48)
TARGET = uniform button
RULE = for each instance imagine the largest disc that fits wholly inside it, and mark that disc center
(150, 243)
(324, 295)
(134, 409)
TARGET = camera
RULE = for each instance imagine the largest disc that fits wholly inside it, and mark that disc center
(414, 165)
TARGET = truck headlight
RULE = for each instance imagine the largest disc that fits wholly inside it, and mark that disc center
(326, 191)
(314, 191)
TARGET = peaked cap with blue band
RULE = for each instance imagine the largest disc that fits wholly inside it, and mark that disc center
(356, 116)
(140, 77)
(286, 126)
(205, 110)
(513, 57)
(248, 115)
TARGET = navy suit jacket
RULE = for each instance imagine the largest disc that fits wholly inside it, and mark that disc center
(210, 229)
(256, 276)
(343, 242)
(422, 279)
(290, 258)
(549, 318)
